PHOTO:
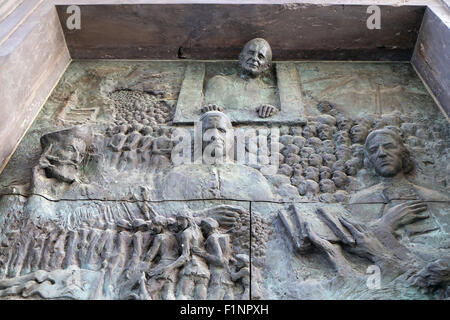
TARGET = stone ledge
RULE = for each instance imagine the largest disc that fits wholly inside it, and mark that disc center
(217, 31)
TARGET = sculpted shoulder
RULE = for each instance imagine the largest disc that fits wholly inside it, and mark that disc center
(374, 194)
(368, 195)
(218, 82)
(431, 195)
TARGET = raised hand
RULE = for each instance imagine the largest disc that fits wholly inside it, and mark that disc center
(403, 214)
(335, 226)
(266, 110)
(333, 251)
(225, 215)
(211, 107)
(366, 243)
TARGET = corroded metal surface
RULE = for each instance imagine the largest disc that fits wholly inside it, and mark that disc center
(105, 192)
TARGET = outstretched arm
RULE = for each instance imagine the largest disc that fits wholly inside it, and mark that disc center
(153, 251)
(243, 272)
(117, 142)
(225, 215)
(333, 251)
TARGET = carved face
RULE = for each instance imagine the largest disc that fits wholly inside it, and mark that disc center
(385, 154)
(325, 106)
(328, 145)
(71, 152)
(162, 145)
(182, 223)
(358, 134)
(357, 150)
(173, 226)
(344, 124)
(338, 166)
(64, 157)
(340, 179)
(309, 131)
(351, 167)
(315, 160)
(312, 187)
(156, 228)
(327, 185)
(325, 173)
(255, 57)
(242, 260)
(324, 132)
(343, 153)
(215, 128)
(342, 138)
(329, 159)
(147, 130)
(312, 173)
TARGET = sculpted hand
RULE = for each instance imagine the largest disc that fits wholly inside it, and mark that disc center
(138, 223)
(198, 251)
(124, 224)
(333, 251)
(337, 228)
(403, 214)
(157, 272)
(211, 107)
(225, 215)
(44, 163)
(266, 110)
(366, 243)
(165, 274)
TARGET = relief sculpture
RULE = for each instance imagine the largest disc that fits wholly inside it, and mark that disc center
(249, 179)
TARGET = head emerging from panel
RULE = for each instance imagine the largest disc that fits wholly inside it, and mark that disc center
(255, 57)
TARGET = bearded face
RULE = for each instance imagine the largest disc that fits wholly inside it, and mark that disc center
(217, 137)
(63, 158)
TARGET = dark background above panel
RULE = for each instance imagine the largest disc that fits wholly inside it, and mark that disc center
(210, 31)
